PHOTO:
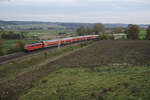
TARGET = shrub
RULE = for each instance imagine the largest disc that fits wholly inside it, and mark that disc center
(21, 45)
(106, 37)
(18, 47)
(12, 35)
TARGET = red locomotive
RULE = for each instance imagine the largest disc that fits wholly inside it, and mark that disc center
(56, 42)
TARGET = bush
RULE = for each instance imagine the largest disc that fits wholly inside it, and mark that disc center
(106, 37)
(21, 45)
(12, 35)
(18, 47)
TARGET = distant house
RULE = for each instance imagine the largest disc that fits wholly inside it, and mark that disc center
(108, 31)
(35, 37)
(119, 35)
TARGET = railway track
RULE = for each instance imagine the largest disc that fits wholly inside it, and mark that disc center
(20, 55)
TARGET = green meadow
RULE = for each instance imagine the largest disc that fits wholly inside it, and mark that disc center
(104, 83)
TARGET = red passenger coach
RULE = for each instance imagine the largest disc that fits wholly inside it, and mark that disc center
(67, 40)
(56, 42)
(50, 43)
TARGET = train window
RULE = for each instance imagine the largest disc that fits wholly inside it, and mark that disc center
(36, 45)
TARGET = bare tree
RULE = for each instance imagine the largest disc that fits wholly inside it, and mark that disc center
(118, 30)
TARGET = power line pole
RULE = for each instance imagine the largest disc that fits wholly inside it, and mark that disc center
(59, 43)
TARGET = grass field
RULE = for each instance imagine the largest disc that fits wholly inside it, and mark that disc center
(103, 83)
(12, 69)
(105, 70)
(142, 34)
(18, 71)
(49, 32)
(28, 26)
(44, 31)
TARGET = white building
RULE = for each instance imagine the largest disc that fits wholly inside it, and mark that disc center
(119, 36)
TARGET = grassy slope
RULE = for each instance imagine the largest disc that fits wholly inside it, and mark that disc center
(104, 83)
(17, 77)
(11, 70)
(114, 82)
(85, 82)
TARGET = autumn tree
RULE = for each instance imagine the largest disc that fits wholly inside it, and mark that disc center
(18, 47)
(148, 33)
(118, 30)
(133, 31)
(83, 30)
(98, 27)
(21, 45)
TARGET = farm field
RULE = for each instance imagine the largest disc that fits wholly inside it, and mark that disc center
(124, 52)
(49, 32)
(105, 70)
(28, 26)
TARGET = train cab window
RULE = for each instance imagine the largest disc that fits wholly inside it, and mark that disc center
(36, 45)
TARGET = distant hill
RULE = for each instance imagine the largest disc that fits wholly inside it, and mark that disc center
(66, 25)
(6, 23)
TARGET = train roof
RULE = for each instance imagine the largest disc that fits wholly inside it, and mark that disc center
(68, 38)
(52, 40)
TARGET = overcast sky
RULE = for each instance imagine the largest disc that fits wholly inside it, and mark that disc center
(93, 11)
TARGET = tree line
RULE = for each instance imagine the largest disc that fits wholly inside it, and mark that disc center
(12, 35)
(96, 29)
(132, 31)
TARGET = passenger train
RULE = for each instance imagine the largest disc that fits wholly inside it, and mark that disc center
(57, 42)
